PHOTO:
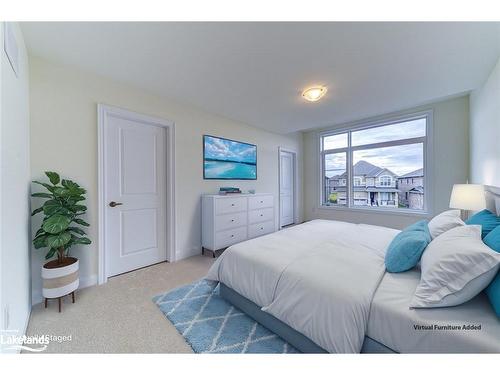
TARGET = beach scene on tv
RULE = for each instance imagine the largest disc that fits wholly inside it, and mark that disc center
(226, 159)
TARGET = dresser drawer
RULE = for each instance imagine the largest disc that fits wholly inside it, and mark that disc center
(256, 230)
(230, 237)
(263, 201)
(229, 205)
(264, 214)
(228, 221)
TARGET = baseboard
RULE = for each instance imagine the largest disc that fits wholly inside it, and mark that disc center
(25, 330)
(85, 282)
(187, 254)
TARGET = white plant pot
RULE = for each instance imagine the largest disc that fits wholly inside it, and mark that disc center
(60, 280)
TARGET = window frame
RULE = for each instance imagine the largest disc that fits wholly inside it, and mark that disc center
(383, 178)
(349, 150)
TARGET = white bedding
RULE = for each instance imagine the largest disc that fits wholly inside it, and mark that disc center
(318, 277)
(392, 323)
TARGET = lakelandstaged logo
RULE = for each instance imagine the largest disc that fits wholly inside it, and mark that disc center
(10, 342)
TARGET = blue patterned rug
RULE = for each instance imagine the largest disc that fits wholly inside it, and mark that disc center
(212, 325)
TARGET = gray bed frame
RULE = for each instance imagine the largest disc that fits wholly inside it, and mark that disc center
(287, 333)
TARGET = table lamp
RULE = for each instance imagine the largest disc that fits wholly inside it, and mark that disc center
(468, 197)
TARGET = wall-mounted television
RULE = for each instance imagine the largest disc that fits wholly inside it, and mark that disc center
(225, 159)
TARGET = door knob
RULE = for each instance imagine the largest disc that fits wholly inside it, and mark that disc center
(114, 204)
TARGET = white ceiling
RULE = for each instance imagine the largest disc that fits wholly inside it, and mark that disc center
(254, 72)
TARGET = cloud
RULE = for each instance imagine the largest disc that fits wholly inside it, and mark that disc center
(335, 164)
(398, 159)
(404, 130)
(216, 148)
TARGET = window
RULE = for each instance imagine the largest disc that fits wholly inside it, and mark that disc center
(385, 180)
(334, 185)
(372, 165)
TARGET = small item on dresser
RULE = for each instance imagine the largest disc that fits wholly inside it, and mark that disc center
(229, 190)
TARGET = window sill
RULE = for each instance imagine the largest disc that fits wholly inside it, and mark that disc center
(387, 211)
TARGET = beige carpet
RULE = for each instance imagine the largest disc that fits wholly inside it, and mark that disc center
(119, 317)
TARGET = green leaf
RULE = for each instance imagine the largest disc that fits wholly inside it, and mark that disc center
(75, 199)
(78, 208)
(62, 192)
(81, 222)
(58, 240)
(73, 187)
(40, 235)
(77, 230)
(41, 195)
(70, 243)
(40, 209)
(51, 253)
(70, 184)
(52, 207)
(53, 177)
(40, 242)
(39, 231)
(81, 240)
(46, 186)
(56, 224)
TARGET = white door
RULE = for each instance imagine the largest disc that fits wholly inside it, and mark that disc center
(286, 188)
(134, 193)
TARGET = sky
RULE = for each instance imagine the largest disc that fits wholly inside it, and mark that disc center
(398, 159)
(223, 149)
(402, 130)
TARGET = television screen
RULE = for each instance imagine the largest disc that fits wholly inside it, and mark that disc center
(225, 159)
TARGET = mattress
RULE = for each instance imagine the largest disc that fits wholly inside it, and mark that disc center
(333, 266)
(469, 328)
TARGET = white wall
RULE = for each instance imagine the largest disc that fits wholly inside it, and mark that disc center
(14, 190)
(450, 166)
(64, 139)
(485, 131)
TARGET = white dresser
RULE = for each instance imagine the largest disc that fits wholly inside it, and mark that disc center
(229, 219)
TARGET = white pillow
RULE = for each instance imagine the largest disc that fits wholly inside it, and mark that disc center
(445, 221)
(456, 267)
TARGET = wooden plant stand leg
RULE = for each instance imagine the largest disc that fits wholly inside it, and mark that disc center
(59, 300)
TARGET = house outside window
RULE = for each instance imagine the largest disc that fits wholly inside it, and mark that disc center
(376, 165)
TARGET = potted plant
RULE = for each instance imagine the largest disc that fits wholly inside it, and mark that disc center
(61, 229)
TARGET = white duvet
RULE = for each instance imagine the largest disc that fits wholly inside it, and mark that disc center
(318, 277)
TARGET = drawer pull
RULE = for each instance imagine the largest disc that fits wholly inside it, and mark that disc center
(232, 235)
(232, 204)
(232, 220)
(261, 215)
(261, 201)
(261, 228)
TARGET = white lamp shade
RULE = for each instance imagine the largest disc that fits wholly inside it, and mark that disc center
(469, 197)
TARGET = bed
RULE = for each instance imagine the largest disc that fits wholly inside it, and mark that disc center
(290, 282)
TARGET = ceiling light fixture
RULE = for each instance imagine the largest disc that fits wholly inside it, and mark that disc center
(313, 94)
